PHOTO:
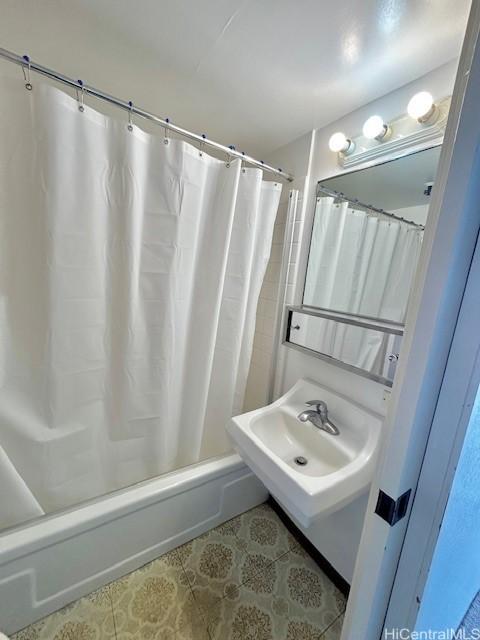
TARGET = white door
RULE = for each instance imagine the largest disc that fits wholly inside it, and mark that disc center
(435, 310)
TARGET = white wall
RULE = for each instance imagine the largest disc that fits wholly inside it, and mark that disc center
(337, 536)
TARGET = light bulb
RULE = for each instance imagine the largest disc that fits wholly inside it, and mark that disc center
(421, 107)
(339, 143)
(375, 128)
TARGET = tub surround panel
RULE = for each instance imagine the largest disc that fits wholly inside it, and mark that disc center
(49, 564)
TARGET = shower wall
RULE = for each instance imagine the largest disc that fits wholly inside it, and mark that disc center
(294, 158)
(258, 383)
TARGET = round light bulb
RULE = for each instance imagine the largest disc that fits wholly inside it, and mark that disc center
(339, 142)
(421, 107)
(375, 128)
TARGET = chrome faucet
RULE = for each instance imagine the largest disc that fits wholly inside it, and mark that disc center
(319, 417)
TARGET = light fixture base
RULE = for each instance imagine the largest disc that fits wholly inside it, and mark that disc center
(431, 116)
(349, 150)
(385, 134)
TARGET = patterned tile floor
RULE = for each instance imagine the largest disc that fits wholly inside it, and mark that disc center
(248, 579)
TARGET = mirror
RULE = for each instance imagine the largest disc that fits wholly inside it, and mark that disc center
(367, 235)
(366, 240)
(358, 344)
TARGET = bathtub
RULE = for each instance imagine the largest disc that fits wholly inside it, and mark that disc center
(60, 558)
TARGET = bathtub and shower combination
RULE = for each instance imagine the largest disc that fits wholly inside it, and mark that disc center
(130, 270)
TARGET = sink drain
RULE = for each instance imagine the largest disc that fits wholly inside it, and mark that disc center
(300, 460)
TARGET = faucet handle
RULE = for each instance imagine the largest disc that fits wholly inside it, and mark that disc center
(320, 405)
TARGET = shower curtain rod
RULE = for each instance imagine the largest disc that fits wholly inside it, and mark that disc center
(231, 152)
(342, 196)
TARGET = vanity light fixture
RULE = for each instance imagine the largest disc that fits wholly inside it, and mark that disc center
(422, 108)
(376, 129)
(339, 143)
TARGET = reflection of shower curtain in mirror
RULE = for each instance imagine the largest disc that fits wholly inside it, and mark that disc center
(362, 264)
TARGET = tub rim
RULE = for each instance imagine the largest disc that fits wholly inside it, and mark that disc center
(52, 528)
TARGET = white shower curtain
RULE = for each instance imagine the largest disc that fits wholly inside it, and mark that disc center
(130, 271)
(361, 264)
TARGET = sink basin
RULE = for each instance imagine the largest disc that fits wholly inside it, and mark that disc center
(281, 432)
(310, 472)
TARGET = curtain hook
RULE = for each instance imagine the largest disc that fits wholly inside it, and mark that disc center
(81, 96)
(26, 73)
(243, 166)
(165, 139)
(202, 145)
(130, 125)
(229, 157)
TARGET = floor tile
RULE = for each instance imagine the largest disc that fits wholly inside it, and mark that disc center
(291, 600)
(195, 631)
(89, 618)
(234, 552)
(156, 603)
(334, 631)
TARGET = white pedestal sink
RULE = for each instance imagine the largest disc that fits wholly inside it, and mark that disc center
(338, 468)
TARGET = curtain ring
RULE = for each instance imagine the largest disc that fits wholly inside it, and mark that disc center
(202, 145)
(165, 139)
(130, 125)
(26, 73)
(229, 157)
(81, 96)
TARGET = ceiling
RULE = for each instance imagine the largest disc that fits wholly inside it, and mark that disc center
(254, 73)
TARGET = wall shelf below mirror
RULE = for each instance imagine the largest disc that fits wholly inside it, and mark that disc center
(366, 346)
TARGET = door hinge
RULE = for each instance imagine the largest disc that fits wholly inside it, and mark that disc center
(392, 510)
